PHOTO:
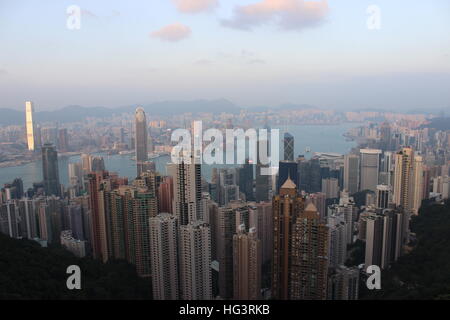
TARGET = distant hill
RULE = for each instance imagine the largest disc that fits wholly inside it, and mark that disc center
(31, 272)
(79, 113)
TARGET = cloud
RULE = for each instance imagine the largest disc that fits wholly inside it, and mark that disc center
(287, 14)
(194, 6)
(172, 32)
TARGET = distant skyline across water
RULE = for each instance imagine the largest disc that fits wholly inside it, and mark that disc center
(315, 137)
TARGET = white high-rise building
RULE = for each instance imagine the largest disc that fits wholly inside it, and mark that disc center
(417, 185)
(369, 169)
(195, 261)
(187, 191)
(30, 126)
(164, 258)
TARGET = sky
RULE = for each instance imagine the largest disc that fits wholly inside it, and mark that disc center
(340, 54)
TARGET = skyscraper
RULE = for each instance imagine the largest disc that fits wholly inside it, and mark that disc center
(417, 185)
(246, 180)
(383, 196)
(164, 258)
(141, 139)
(370, 166)
(50, 171)
(247, 263)
(309, 257)
(63, 140)
(287, 169)
(99, 223)
(195, 261)
(286, 207)
(288, 147)
(351, 173)
(187, 192)
(30, 126)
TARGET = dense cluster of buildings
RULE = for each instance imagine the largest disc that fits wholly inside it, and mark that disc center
(243, 235)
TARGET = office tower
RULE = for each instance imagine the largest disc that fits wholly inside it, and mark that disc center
(286, 207)
(76, 176)
(76, 246)
(165, 195)
(187, 191)
(141, 139)
(247, 264)
(262, 179)
(383, 196)
(337, 241)
(288, 147)
(195, 261)
(385, 136)
(246, 181)
(309, 257)
(392, 236)
(63, 140)
(228, 188)
(164, 258)
(387, 168)
(97, 164)
(343, 284)
(86, 163)
(374, 240)
(351, 173)
(287, 169)
(30, 126)
(330, 187)
(369, 169)
(50, 170)
(261, 219)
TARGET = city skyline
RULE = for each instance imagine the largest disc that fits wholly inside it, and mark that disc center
(254, 150)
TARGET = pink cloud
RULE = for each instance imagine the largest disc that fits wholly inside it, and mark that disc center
(172, 32)
(287, 14)
(194, 6)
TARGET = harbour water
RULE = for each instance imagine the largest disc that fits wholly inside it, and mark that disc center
(316, 138)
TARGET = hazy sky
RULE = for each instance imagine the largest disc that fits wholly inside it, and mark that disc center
(252, 52)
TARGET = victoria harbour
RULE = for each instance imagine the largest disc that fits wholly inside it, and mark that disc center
(308, 139)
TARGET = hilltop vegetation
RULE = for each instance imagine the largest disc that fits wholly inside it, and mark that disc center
(424, 273)
(28, 271)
